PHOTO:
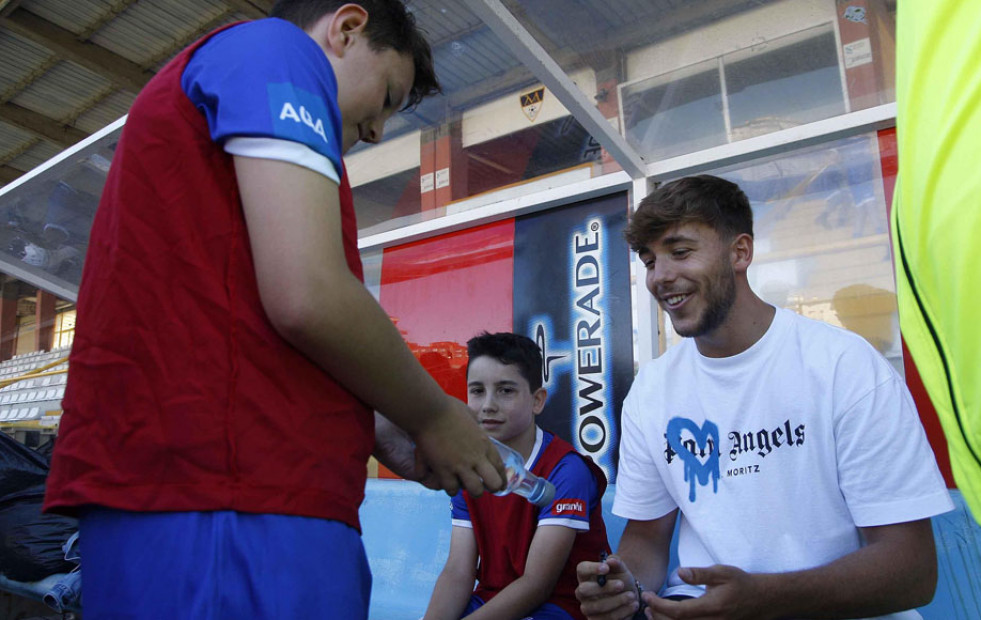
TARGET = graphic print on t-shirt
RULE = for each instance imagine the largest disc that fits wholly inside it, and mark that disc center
(698, 449)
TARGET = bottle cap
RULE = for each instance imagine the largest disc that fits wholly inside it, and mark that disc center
(545, 497)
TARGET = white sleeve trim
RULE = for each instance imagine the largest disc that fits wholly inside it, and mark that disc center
(569, 523)
(902, 511)
(462, 523)
(283, 150)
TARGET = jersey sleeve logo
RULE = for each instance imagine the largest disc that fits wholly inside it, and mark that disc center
(298, 115)
(569, 507)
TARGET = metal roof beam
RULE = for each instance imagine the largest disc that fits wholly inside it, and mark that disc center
(516, 38)
(8, 174)
(190, 38)
(7, 6)
(110, 14)
(40, 125)
(264, 5)
(121, 72)
(247, 8)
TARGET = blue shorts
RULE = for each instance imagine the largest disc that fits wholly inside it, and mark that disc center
(548, 611)
(219, 565)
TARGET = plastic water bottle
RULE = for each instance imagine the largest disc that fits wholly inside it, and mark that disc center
(535, 489)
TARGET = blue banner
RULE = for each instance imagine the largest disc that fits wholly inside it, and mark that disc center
(572, 296)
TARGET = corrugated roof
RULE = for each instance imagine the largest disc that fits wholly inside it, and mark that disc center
(36, 154)
(148, 30)
(62, 91)
(22, 58)
(105, 112)
(72, 66)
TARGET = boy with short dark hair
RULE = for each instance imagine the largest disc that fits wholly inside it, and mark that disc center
(227, 359)
(523, 557)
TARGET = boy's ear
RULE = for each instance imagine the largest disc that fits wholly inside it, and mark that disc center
(343, 26)
(538, 400)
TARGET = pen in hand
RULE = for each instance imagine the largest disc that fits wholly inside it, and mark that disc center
(601, 579)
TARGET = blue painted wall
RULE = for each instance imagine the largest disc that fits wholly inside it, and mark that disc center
(407, 537)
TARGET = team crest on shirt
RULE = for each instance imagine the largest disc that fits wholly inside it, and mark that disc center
(570, 507)
(298, 114)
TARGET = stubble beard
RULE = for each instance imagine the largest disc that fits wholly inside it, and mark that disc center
(720, 295)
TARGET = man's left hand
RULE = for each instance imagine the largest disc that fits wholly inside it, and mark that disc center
(730, 594)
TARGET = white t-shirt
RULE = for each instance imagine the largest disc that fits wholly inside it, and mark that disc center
(776, 454)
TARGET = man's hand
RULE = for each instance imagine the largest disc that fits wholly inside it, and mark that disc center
(394, 449)
(459, 453)
(730, 594)
(616, 600)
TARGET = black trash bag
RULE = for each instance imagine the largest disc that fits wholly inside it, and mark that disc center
(31, 542)
(46, 449)
(20, 467)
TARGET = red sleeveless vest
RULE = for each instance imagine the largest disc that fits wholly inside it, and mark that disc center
(181, 395)
(505, 525)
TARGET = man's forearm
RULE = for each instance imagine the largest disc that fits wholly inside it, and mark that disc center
(645, 557)
(881, 578)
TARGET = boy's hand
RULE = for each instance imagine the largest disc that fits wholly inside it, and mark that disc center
(616, 600)
(459, 453)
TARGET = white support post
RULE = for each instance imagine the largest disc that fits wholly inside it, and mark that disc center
(644, 309)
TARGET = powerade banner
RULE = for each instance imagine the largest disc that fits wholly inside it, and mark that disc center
(572, 296)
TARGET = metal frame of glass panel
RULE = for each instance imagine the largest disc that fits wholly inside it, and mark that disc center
(636, 177)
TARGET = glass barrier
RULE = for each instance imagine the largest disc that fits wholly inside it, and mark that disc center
(822, 238)
(683, 76)
(494, 126)
(46, 221)
(675, 79)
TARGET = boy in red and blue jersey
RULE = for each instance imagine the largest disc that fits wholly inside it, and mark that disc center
(523, 557)
(228, 359)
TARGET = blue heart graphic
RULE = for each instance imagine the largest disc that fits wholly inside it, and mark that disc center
(694, 468)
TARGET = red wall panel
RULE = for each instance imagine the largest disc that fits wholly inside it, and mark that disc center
(442, 291)
(888, 154)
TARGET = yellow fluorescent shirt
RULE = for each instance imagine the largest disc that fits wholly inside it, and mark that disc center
(936, 217)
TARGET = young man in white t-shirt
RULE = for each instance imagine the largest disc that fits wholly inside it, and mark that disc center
(791, 449)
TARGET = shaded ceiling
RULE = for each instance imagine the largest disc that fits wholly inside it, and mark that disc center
(71, 67)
